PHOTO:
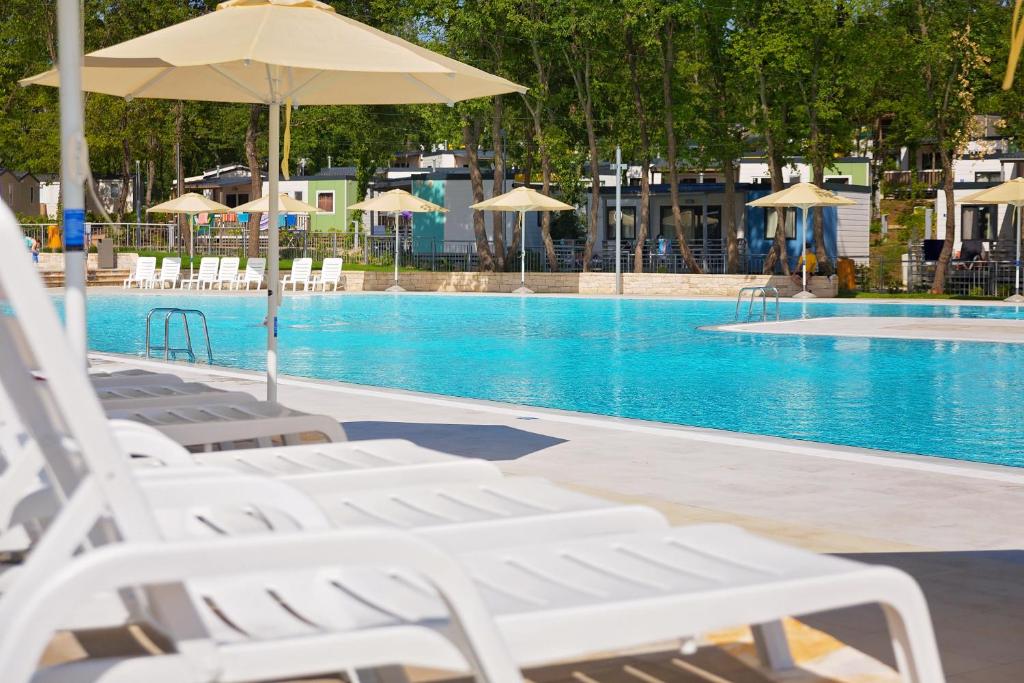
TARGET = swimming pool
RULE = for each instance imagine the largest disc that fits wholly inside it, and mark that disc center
(644, 359)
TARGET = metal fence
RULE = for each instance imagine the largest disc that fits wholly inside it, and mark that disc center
(911, 273)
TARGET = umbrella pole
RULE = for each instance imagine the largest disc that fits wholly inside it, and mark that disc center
(1016, 298)
(396, 250)
(803, 293)
(274, 276)
(191, 248)
(522, 248)
(72, 137)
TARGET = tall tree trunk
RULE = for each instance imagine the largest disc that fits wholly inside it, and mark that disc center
(579, 65)
(778, 249)
(668, 68)
(184, 226)
(150, 179)
(942, 265)
(519, 231)
(126, 174)
(255, 179)
(545, 171)
(645, 154)
(820, 253)
(471, 140)
(498, 185)
(729, 222)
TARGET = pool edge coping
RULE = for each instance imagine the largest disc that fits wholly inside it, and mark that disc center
(864, 456)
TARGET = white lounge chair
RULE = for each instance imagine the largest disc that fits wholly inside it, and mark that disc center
(206, 276)
(224, 426)
(281, 606)
(228, 273)
(302, 271)
(145, 268)
(255, 271)
(330, 274)
(170, 271)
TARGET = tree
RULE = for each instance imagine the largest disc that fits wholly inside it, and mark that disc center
(668, 71)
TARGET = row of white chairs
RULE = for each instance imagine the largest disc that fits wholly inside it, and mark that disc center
(221, 273)
(136, 498)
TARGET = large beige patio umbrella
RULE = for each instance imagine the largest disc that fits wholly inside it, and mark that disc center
(521, 200)
(396, 202)
(803, 196)
(190, 204)
(278, 52)
(1011, 192)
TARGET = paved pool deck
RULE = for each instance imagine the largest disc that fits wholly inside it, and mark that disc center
(1000, 330)
(958, 527)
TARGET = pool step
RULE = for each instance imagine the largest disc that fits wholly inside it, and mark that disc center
(95, 278)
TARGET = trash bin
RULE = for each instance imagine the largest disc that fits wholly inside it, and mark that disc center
(106, 255)
(847, 273)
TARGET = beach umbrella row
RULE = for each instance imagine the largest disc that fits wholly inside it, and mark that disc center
(279, 53)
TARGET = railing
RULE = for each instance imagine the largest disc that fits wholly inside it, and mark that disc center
(763, 291)
(171, 352)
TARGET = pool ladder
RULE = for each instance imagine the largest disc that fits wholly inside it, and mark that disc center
(763, 291)
(171, 352)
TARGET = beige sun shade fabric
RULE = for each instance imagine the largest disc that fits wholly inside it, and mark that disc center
(397, 201)
(285, 204)
(522, 199)
(267, 50)
(190, 203)
(1010, 192)
(803, 195)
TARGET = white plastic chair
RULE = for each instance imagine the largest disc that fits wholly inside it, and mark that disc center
(302, 271)
(255, 271)
(227, 274)
(207, 275)
(145, 268)
(170, 271)
(330, 274)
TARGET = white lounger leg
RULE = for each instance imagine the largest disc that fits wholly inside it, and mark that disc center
(772, 646)
(917, 656)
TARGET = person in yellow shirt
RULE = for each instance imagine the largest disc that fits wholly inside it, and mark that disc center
(812, 265)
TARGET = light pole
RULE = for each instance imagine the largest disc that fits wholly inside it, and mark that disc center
(618, 219)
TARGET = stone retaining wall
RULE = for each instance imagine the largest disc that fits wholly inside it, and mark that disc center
(646, 284)
(49, 261)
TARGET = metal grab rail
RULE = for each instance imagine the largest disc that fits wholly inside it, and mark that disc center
(168, 350)
(763, 290)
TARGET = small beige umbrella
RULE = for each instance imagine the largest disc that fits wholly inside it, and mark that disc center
(521, 200)
(803, 196)
(190, 204)
(1011, 192)
(279, 52)
(396, 202)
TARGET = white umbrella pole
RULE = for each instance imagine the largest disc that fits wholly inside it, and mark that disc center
(396, 249)
(72, 139)
(803, 249)
(274, 277)
(1017, 263)
(522, 248)
(191, 246)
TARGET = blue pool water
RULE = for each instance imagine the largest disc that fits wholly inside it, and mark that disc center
(643, 359)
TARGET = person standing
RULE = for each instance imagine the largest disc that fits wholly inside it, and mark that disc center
(32, 244)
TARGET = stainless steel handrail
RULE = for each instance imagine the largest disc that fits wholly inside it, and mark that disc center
(166, 347)
(763, 290)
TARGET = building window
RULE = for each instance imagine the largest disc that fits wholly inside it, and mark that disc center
(325, 201)
(931, 161)
(771, 223)
(837, 179)
(979, 222)
(763, 180)
(298, 195)
(233, 200)
(628, 222)
(987, 176)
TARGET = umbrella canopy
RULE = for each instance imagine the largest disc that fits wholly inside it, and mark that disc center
(267, 50)
(521, 199)
(396, 201)
(1010, 192)
(277, 52)
(803, 195)
(285, 204)
(190, 203)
